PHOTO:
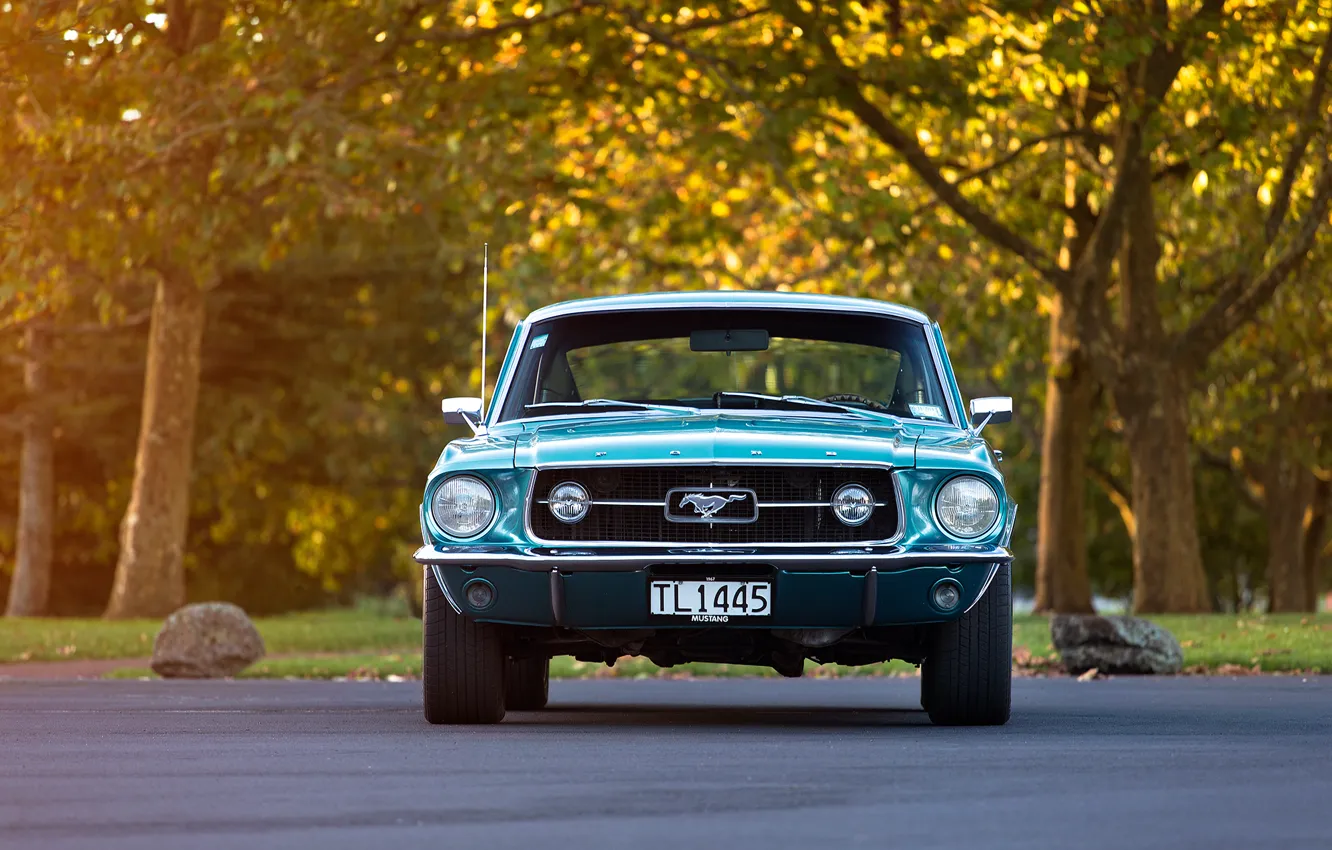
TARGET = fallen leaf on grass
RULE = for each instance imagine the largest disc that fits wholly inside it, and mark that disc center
(1237, 670)
(1025, 663)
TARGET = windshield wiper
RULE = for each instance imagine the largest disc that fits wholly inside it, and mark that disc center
(612, 402)
(799, 399)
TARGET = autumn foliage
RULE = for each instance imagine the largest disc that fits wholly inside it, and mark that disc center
(239, 248)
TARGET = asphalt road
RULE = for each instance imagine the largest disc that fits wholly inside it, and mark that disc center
(1180, 763)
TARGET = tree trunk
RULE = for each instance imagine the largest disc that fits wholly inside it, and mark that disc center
(1062, 584)
(1288, 490)
(1152, 397)
(150, 574)
(1168, 573)
(1315, 529)
(31, 585)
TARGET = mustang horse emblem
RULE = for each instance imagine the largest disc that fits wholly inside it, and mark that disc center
(706, 506)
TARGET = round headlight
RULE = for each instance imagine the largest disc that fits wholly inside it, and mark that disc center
(967, 507)
(463, 506)
(569, 501)
(853, 504)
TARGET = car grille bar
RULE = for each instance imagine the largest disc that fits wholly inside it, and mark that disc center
(629, 505)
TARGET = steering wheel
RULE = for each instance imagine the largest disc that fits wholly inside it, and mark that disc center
(857, 398)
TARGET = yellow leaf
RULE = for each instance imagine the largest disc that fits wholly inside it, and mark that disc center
(721, 209)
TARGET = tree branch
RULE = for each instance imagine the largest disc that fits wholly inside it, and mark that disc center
(1247, 292)
(723, 70)
(131, 321)
(848, 90)
(457, 37)
(1251, 487)
(1308, 123)
(1117, 493)
(1002, 161)
(713, 23)
(1014, 154)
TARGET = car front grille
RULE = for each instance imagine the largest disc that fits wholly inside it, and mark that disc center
(629, 505)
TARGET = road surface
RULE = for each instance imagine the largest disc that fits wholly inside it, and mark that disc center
(749, 763)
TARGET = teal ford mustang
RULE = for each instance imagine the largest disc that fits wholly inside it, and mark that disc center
(740, 477)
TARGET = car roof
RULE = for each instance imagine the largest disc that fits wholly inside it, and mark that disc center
(714, 299)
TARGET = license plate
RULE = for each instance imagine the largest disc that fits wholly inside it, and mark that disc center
(710, 601)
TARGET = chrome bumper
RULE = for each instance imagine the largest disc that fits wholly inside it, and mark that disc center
(545, 559)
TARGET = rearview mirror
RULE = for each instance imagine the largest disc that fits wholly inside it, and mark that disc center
(728, 341)
(462, 411)
(996, 409)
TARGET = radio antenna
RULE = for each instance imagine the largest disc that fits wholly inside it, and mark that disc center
(485, 288)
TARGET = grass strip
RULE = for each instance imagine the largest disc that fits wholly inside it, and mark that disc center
(1265, 643)
(345, 631)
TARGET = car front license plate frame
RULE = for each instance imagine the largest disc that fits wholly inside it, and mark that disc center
(710, 600)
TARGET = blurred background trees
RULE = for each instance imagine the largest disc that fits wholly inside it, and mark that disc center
(239, 248)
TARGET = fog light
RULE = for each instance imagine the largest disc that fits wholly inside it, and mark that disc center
(480, 594)
(569, 502)
(852, 504)
(947, 595)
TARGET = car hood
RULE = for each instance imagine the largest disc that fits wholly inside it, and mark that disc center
(723, 437)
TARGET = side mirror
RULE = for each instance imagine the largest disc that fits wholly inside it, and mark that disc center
(996, 409)
(462, 411)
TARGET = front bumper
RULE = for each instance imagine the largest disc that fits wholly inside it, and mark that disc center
(843, 587)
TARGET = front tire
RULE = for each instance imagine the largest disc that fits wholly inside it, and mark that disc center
(463, 665)
(528, 685)
(967, 676)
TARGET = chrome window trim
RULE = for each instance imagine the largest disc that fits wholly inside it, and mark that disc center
(880, 308)
(730, 300)
(937, 355)
(624, 544)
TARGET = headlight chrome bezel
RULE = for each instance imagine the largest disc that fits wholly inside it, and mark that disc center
(867, 502)
(457, 481)
(552, 500)
(954, 532)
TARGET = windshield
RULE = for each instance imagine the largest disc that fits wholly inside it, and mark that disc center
(662, 360)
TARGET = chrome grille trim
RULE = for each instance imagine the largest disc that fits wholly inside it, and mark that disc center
(898, 502)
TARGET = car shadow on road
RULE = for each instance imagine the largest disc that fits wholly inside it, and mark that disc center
(694, 716)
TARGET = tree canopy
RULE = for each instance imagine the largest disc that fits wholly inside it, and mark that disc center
(1114, 210)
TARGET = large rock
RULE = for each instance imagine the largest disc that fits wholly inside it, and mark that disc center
(1115, 645)
(210, 640)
